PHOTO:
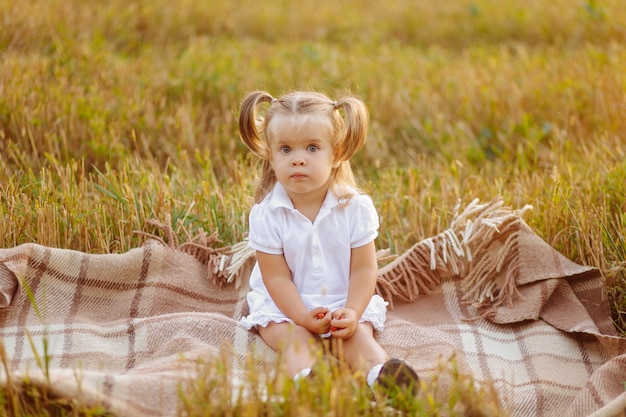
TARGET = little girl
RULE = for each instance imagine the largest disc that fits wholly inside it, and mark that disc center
(314, 234)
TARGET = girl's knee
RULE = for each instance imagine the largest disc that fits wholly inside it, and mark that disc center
(281, 336)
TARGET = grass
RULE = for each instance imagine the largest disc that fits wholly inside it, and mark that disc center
(334, 391)
(113, 113)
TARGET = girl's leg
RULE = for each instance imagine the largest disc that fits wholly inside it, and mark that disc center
(361, 351)
(293, 342)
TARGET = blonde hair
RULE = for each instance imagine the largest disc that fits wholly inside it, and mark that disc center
(348, 132)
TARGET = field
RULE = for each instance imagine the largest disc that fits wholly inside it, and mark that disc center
(116, 112)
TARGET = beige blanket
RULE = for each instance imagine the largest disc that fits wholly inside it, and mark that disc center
(127, 329)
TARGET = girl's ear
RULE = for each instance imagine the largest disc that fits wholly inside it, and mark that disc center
(336, 164)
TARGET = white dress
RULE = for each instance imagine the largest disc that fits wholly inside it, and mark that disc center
(318, 253)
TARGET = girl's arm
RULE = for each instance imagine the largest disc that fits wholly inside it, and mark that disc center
(363, 276)
(277, 279)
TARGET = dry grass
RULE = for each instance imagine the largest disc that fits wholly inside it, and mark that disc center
(112, 113)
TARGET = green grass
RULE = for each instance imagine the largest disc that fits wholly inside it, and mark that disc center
(114, 113)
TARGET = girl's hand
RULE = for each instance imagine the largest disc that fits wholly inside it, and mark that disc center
(317, 320)
(344, 323)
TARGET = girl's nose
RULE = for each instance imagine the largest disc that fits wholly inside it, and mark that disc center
(297, 161)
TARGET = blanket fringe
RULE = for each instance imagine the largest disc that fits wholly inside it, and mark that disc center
(480, 244)
(241, 261)
(198, 245)
(464, 251)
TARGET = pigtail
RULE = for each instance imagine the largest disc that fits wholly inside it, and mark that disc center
(249, 122)
(354, 132)
(351, 136)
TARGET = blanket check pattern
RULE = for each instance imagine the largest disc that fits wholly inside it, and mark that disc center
(128, 330)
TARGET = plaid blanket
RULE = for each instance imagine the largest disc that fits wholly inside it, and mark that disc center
(128, 330)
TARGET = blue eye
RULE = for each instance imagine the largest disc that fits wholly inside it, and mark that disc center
(312, 148)
(285, 149)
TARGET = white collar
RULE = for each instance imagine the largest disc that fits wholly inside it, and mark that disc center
(278, 197)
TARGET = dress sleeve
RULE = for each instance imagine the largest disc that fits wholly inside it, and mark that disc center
(363, 221)
(264, 233)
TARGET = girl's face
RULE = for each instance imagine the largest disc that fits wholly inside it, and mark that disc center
(301, 154)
